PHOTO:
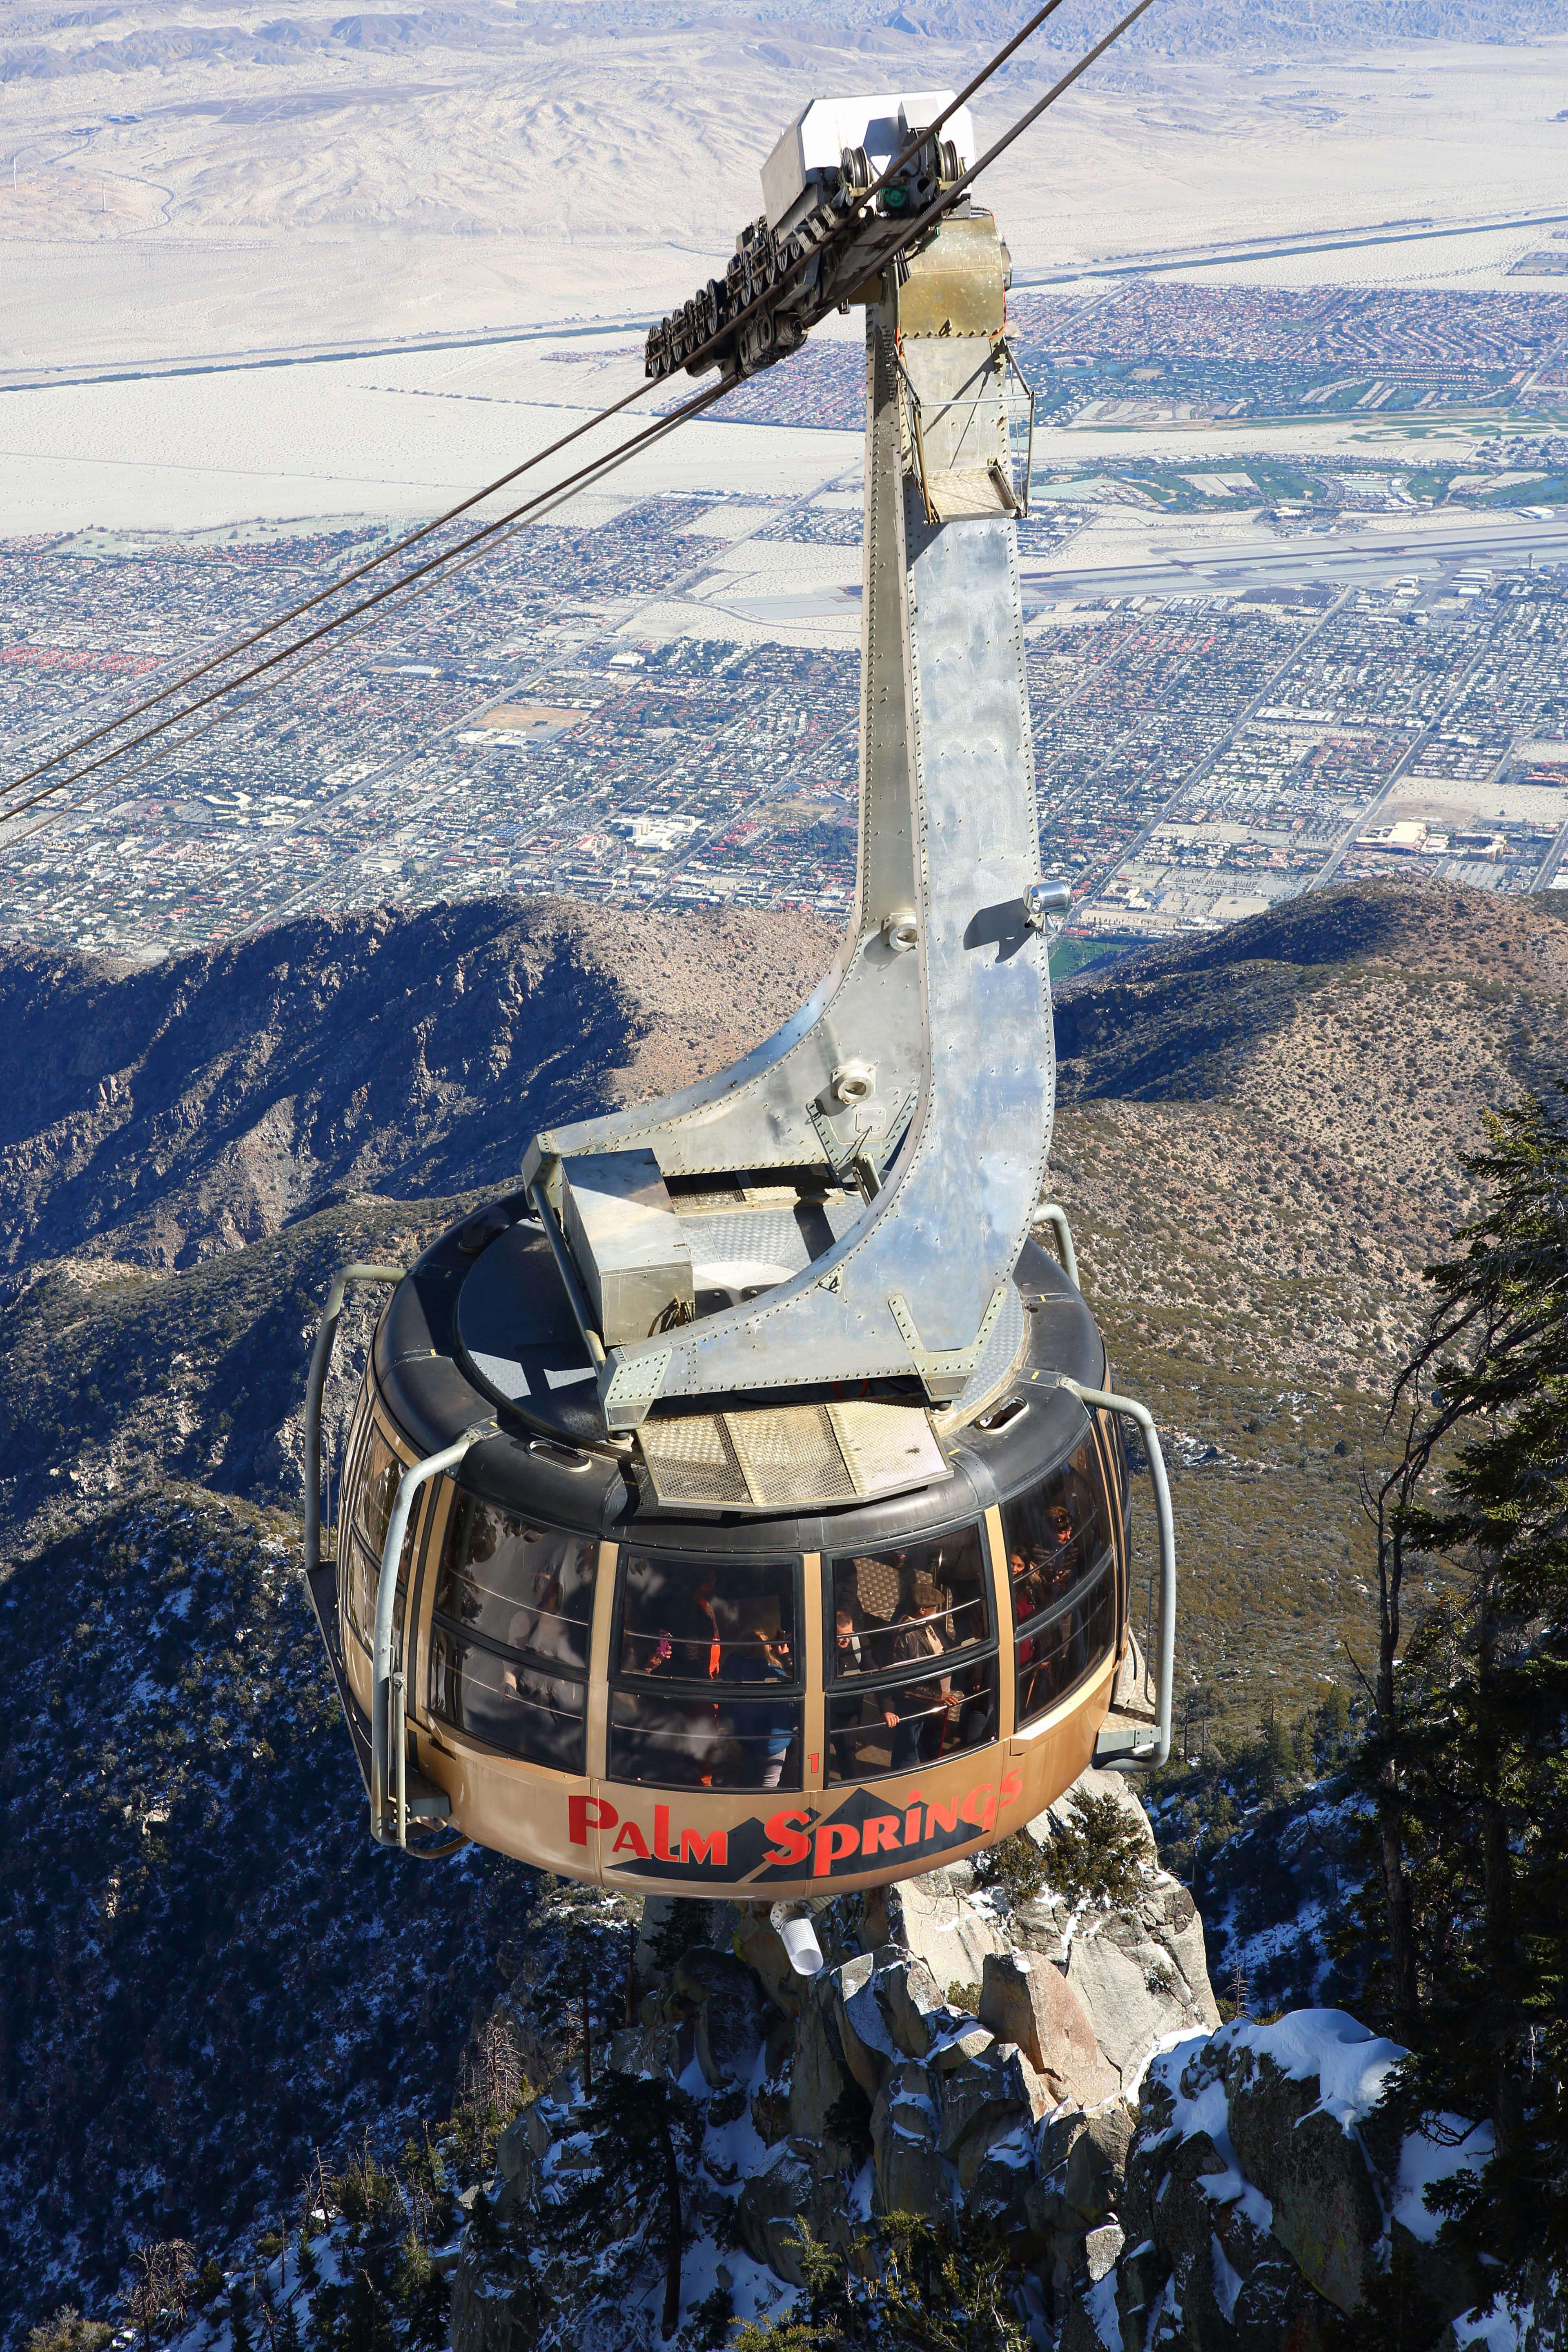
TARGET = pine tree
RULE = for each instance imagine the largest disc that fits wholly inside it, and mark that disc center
(1471, 1738)
(642, 2132)
(916, 2283)
(239, 2330)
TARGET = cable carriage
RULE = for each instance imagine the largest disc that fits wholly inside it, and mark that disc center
(740, 1506)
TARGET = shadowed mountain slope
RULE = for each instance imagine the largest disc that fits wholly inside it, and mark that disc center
(210, 1973)
(162, 1113)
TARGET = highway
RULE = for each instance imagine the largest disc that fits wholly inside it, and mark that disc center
(1369, 559)
(14, 378)
(370, 347)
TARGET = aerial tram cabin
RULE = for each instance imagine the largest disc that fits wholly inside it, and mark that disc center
(740, 1506)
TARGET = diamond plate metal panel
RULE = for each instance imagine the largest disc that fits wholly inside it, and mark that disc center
(691, 1460)
(791, 1458)
(889, 1447)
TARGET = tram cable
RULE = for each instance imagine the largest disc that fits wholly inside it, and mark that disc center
(296, 612)
(906, 155)
(412, 539)
(529, 510)
(519, 517)
(325, 652)
(950, 197)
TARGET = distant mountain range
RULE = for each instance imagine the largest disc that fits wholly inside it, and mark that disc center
(1178, 27)
(1219, 28)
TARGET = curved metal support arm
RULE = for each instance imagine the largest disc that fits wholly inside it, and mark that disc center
(1052, 1213)
(389, 1821)
(567, 1271)
(320, 1358)
(1158, 1749)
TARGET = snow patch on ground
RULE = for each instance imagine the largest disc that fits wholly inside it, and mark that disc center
(1100, 2305)
(1502, 2328)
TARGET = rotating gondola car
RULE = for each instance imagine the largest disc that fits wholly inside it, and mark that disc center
(740, 1507)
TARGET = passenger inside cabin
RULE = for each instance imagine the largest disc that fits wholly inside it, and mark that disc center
(917, 1712)
(849, 1655)
(685, 1645)
(764, 1729)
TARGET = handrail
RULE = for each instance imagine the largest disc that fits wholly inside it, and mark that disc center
(1052, 1213)
(383, 1698)
(1111, 1747)
(315, 1388)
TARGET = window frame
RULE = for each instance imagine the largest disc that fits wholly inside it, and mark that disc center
(556, 1669)
(877, 1677)
(987, 1651)
(899, 1679)
(352, 1542)
(685, 1691)
(566, 1669)
(459, 1635)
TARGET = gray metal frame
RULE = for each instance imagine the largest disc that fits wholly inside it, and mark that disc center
(940, 992)
(1052, 1213)
(388, 1693)
(1136, 1747)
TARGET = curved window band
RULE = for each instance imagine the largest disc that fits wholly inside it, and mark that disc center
(714, 1701)
(523, 1705)
(1057, 1650)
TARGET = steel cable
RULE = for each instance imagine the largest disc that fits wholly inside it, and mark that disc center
(296, 612)
(518, 517)
(476, 555)
(411, 538)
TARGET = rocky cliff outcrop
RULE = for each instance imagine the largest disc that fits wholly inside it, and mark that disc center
(1034, 2072)
(964, 2056)
(1269, 2200)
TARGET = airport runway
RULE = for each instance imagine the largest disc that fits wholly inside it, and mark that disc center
(1374, 560)
(1284, 248)
(1431, 556)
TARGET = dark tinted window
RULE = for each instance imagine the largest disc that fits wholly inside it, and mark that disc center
(358, 1577)
(529, 1588)
(377, 1476)
(902, 1725)
(723, 1629)
(707, 1620)
(1060, 1647)
(720, 1743)
(503, 1700)
(373, 1490)
(897, 1608)
(1056, 1534)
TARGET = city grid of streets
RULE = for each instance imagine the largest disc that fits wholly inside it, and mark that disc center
(1341, 661)
(1199, 755)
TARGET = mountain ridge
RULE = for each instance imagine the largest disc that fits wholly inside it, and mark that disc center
(397, 1050)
